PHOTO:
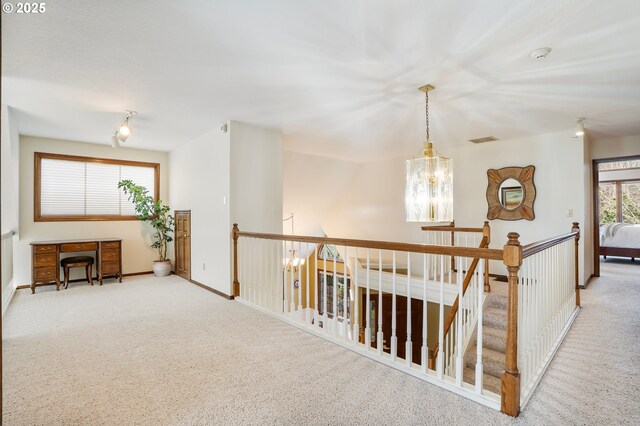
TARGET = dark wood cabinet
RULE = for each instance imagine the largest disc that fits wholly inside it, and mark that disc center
(45, 258)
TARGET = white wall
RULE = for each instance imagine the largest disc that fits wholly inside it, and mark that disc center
(9, 192)
(311, 187)
(256, 178)
(371, 206)
(137, 256)
(225, 178)
(200, 182)
(615, 147)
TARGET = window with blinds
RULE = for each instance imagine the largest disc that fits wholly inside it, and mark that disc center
(84, 188)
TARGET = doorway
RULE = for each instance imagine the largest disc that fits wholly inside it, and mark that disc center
(616, 204)
(183, 243)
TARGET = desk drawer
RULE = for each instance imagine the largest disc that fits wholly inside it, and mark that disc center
(111, 245)
(45, 274)
(78, 247)
(110, 255)
(44, 249)
(44, 260)
(110, 267)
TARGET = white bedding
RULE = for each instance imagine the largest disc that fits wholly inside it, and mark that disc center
(620, 235)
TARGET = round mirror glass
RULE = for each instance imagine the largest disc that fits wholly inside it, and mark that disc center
(510, 194)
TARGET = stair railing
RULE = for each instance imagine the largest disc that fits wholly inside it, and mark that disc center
(269, 274)
(468, 320)
(543, 300)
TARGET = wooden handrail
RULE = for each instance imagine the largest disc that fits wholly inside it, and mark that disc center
(472, 252)
(454, 308)
(450, 228)
(537, 247)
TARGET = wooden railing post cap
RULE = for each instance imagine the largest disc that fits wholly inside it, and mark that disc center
(513, 239)
(575, 227)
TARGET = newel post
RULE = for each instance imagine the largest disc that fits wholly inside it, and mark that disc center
(486, 232)
(576, 228)
(512, 257)
(236, 283)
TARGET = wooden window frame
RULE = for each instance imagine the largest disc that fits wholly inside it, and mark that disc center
(37, 211)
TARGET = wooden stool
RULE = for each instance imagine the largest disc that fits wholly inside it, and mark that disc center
(77, 262)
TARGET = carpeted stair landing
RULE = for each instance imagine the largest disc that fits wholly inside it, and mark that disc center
(494, 343)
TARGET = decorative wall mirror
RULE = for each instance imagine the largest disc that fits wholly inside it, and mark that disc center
(511, 193)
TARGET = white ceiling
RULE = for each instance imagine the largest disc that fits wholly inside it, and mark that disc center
(339, 77)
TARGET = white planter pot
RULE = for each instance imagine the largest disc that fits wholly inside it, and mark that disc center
(161, 268)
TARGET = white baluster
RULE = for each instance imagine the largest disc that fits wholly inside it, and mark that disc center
(367, 325)
(459, 327)
(345, 300)
(394, 339)
(299, 289)
(425, 347)
(380, 335)
(315, 287)
(408, 352)
(356, 296)
(325, 316)
(479, 342)
(440, 357)
(334, 307)
(292, 301)
(308, 284)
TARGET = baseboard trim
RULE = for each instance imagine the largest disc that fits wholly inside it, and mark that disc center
(586, 283)
(79, 280)
(212, 290)
(10, 298)
(133, 274)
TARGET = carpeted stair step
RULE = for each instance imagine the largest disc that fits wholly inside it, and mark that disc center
(492, 361)
(494, 317)
(493, 338)
(496, 301)
(489, 382)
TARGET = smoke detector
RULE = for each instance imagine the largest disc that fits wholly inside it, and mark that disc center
(540, 53)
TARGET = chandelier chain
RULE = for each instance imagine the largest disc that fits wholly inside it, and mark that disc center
(426, 96)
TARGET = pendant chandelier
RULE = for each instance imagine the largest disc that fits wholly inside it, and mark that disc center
(292, 261)
(429, 186)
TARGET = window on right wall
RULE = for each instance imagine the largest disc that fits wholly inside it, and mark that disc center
(619, 201)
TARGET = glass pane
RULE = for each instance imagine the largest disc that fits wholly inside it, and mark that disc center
(103, 197)
(630, 202)
(330, 295)
(62, 187)
(617, 165)
(607, 203)
(429, 190)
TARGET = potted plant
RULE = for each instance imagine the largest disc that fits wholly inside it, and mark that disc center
(157, 214)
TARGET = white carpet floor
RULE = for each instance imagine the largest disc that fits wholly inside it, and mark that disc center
(163, 351)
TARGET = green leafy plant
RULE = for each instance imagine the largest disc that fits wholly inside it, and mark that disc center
(154, 212)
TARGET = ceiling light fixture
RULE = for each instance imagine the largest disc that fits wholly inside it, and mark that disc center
(429, 186)
(580, 126)
(292, 262)
(540, 53)
(124, 131)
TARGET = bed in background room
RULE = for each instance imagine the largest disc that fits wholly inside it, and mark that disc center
(620, 239)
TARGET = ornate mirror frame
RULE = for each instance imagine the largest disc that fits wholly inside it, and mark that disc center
(524, 175)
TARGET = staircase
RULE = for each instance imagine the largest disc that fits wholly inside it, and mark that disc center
(494, 343)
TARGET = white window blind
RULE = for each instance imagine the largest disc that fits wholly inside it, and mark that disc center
(78, 188)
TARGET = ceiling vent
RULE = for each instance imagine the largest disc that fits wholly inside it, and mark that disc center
(483, 140)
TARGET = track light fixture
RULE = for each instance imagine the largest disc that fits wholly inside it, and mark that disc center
(124, 131)
(580, 126)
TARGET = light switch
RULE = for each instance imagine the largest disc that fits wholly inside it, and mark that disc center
(570, 213)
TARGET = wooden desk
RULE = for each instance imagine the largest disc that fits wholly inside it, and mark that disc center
(45, 258)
